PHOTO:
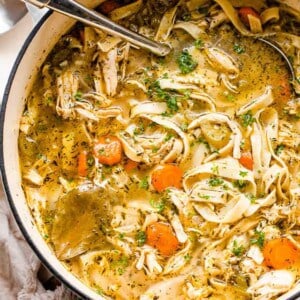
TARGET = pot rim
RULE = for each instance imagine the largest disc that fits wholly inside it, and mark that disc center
(4, 176)
(7, 191)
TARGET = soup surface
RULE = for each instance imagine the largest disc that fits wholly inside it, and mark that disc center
(175, 177)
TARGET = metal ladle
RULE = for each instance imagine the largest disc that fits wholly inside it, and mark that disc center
(278, 49)
(90, 17)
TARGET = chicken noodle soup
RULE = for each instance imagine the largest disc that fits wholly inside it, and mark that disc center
(176, 177)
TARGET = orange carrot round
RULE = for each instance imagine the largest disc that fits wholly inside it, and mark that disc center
(166, 176)
(130, 165)
(161, 236)
(82, 163)
(108, 150)
(244, 12)
(108, 6)
(281, 253)
(282, 90)
(246, 160)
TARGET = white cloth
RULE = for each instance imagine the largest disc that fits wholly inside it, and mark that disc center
(19, 265)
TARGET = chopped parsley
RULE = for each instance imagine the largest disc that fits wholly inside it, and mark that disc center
(252, 198)
(168, 137)
(121, 236)
(238, 49)
(120, 265)
(242, 145)
(186, 63)
(199, 44)
(49, 100)
(215, 169)
(159, 205)
(298, 79)
(141, 238)
(243, 173)
(139, 129)
(78, 96)
(155, 90)
(186, 94)
(215, 181)
(99, 291)
(203, 196)
(258, 239)
(237, 250)
(144, 184)
(155, 149)
(90, 161)
(186, 17)
(229, 97)
(187, 257)
(247, 119)
(202, 140)
(240, 184)
(172, 103)
(279, 149)
(184, 127)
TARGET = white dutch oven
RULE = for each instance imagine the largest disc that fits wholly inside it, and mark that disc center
(33, 53)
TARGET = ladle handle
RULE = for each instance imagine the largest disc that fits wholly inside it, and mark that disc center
(90, 17)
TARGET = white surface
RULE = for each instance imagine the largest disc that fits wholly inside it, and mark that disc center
(10, 45)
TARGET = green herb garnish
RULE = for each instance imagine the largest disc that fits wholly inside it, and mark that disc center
(120, 264)
(279, 149)
(204, 196)
(258, 239)
(237, 250)
(238, 49)
(141, 238)
(156, 91)
(247, 119)
(230, 97)
(168, 137)
(139, 129)
(78, 96)
(159, 205)
(186, 63)
(199, 44)
(240, 184)
(215, 181)
(144, 184)
(172, 103)
(215, 169)
(187, 257)
(243, 173)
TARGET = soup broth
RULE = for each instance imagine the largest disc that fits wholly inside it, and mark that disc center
(175, 177)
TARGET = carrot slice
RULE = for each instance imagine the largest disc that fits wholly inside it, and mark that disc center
(166, 176)
(246, 160)
(282, 90)
(108, 6)
(82, 164)
(108, 150)
(281, 253)
(161, 236)
(244, 12)
(130, 165)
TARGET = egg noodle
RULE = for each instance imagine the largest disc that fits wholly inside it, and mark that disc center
(175, 177)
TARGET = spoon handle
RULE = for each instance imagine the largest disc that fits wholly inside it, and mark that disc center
(90, 17)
